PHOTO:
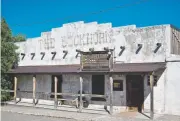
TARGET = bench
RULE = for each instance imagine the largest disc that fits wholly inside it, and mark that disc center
(72, 101)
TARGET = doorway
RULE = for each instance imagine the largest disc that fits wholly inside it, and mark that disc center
(59, 85)
(98, 87)
(134, 91)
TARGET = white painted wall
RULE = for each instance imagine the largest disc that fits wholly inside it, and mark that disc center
(172, 98)
(80, 35)
(166, 93)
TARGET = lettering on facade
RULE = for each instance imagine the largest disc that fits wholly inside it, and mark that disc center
(47, 42)
(86, 39)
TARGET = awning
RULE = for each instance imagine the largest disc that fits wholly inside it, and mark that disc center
(139, 67)
(55, 69)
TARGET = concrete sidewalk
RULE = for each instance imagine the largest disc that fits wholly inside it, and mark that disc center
(84, 116)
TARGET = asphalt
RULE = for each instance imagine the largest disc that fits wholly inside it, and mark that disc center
(9, 116)
(25, 113)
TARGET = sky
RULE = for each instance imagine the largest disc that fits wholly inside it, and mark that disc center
(31, 17)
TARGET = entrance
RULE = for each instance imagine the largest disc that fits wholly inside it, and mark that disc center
(59, 85)
(134, 91)
(98, 87)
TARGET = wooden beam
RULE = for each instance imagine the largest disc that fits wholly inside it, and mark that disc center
(151, 96)
(55, 92)
(81, 88)
(15, 89)
(34, 90)
(111, 94)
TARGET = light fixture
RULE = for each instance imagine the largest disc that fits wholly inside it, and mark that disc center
(109, 55)
(65, 53)
(43, 54)
(139, 48)
(158, 45)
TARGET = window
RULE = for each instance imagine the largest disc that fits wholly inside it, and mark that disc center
(118, 85)
(155, 80)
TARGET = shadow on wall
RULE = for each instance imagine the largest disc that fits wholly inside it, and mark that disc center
(157, 77)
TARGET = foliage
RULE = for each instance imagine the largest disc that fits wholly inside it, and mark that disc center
(19, 38)
(8, 56)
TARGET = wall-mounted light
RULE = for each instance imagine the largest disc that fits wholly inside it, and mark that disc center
(54, 54)
(33, 54)
(109, 55)
(65, 53)
(158, 45)
(91, 49)
(122, 50)
(43, 54)
(23, 55)
(139, 48)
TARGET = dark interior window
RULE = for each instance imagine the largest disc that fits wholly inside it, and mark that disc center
(118, 85)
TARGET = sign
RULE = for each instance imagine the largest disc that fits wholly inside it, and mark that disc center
(95, 61)
(118, 85)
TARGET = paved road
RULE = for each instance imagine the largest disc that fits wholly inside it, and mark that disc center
(19, 113)
(8, 116)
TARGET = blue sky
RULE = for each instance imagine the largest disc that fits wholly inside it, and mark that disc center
(151, 12)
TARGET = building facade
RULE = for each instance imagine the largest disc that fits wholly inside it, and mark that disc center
(137, 52)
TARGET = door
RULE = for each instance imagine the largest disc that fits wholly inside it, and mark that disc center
(59, 85)
(135, 91)
(98, 87)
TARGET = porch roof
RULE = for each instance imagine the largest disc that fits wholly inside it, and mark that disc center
(55, 69)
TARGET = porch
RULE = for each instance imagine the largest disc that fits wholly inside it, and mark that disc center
(56, 94)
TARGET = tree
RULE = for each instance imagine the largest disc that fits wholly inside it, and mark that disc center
(19, 38)
(8, 56)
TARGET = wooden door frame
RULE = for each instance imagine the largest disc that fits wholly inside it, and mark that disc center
(142, 91)
(104, 84)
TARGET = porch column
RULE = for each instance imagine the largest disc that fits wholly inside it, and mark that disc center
(15, 89)
(151, 96)
(55, 92)
(34, 90)
(111, 94)
(81, 101)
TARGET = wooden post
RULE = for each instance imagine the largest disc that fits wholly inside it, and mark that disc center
(34, 90)
(81, 101)
(15, 89)
(55, 92)
(152, 96)
(111, 94)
